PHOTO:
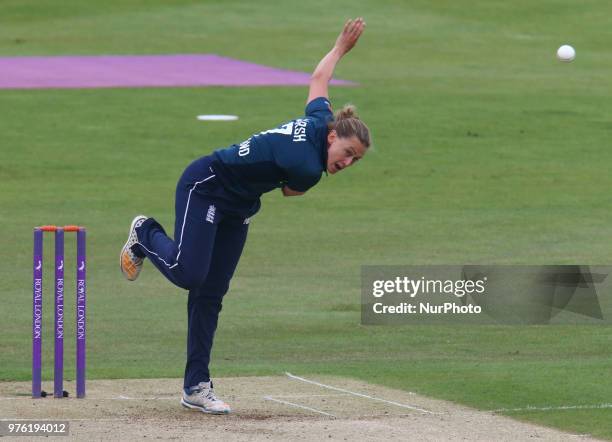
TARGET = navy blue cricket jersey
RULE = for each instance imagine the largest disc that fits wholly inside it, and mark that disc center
(293, 154)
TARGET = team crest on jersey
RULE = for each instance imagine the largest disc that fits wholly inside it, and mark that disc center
(210, 215)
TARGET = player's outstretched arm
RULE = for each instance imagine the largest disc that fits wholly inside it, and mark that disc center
(325, 69)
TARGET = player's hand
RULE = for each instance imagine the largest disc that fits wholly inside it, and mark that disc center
(350, 34)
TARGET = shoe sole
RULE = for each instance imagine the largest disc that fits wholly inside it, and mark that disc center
(191, 406)
(125, 246)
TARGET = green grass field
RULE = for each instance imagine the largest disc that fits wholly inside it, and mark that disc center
(533, 187)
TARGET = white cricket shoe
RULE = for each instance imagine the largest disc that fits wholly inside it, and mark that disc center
(204, 399)
(130, 263)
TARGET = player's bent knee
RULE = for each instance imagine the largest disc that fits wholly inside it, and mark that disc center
(191, 280)
(215, 290)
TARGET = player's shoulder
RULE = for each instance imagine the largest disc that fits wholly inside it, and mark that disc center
(320, 108)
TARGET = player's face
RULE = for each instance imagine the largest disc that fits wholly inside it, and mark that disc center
(343, 152)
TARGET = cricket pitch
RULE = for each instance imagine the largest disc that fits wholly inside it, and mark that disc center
(265, 408)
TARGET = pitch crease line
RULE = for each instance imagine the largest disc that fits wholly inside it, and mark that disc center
(553, 408)
(410, 407)
(269, 398)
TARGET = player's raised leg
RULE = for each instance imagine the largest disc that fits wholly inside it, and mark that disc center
(185, 259)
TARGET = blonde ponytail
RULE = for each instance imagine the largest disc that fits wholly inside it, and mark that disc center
(348, 111)
(347, 124)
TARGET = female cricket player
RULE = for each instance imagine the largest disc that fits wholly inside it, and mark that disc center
(216, 196)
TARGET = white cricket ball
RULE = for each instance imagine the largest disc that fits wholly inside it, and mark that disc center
(566, 53)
